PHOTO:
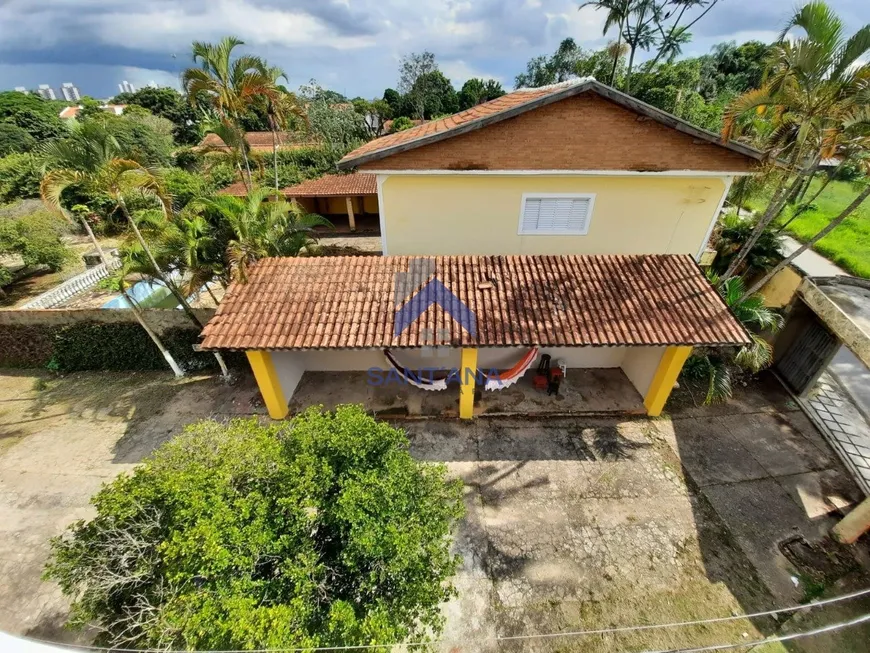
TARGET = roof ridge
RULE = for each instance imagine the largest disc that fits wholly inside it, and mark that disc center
(574, 81)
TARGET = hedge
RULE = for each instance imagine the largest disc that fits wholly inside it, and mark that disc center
(98, 346)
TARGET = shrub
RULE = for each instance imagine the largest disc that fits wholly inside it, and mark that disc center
(14, 139)
(123, 346)
(19, 177)
(183, 186)
(321, 531)
(36, 238)
(402, 123)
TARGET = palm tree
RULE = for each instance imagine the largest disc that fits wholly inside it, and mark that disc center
(709, 368)
(813, 86)
(230, 86)
(95, 162)
(263, 228)
(235, 146)
(280, 108)
(617, 14)
(53, 184)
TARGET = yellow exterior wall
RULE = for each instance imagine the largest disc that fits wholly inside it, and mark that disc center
(779, 291)
(479, 214)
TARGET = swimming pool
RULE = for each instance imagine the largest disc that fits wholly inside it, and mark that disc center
(148, 294)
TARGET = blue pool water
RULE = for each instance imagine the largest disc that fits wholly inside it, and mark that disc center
(149, 294)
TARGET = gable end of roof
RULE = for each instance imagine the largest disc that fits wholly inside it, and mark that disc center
(351, 161)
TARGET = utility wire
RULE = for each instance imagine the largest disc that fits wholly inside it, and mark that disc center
(575, 633)
(772, 640)
(678, 624)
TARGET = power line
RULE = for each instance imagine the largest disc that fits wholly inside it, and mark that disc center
(575, 633)
(772, 640)
(678, 624)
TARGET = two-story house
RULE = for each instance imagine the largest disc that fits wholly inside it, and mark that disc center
(564, 220)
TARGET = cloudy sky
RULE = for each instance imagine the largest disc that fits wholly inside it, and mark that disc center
(352, 46)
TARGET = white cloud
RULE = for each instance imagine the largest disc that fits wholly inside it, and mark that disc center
(458, 72)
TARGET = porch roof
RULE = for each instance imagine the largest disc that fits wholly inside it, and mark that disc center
(335, 186)
(574, 301)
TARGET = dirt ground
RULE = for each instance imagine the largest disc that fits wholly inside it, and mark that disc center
(573, 523)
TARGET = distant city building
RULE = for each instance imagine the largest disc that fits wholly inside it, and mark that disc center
(126, 87)
(70, 92)
(152, 84)
(47, 92)
(22, 89)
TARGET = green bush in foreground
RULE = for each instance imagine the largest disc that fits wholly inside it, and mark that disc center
(321, 531)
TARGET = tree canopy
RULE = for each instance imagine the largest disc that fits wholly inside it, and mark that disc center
(320, 531)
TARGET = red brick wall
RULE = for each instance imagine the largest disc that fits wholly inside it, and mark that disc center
(586, 132)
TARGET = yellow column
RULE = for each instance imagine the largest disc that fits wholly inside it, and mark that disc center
(664, 379)
(350, 219)
(467, 377)
(268, 382)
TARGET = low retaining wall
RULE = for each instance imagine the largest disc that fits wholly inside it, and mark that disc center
(79, 339)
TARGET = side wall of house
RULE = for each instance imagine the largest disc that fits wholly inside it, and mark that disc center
(479, 214)
(640, 366)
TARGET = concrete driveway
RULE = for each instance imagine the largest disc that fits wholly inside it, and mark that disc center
(572, 523)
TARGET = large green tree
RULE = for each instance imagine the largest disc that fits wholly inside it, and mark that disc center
(477, 91)
(321, 531)
(170, 104)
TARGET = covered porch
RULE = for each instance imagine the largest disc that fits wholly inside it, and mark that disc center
(349, 201)
(446, 336)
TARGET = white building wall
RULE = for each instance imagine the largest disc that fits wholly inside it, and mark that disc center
(290, 365)
(640, 366)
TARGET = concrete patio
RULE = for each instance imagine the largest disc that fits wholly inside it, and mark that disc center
(591, 391)
(573, 522)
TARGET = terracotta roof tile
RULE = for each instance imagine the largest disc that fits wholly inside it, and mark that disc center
(334, 186)
(348, 302)
(236, 189)
(492, 107)
(260, 141)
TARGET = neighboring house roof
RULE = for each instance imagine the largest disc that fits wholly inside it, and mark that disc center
(236, 189)
(259, 141)
(349, 302)
(335, 186)
(71, 112)
(515, 104)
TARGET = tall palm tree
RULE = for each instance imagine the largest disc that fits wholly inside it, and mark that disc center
(235, 146)
(262, 227)
(229, 85)
(617, 14)
(53, 184)
(280, 108)
(95, 162)
(813, 86)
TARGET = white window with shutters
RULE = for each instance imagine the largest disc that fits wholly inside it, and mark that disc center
(555, 214)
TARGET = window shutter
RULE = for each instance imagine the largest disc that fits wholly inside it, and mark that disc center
(555, 214)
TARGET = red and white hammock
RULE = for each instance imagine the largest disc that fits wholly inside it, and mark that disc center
(495, 382)
(514, 374)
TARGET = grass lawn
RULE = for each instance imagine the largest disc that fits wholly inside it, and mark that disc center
(848, 245)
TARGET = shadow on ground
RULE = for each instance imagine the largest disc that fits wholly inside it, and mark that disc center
(761, 471)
